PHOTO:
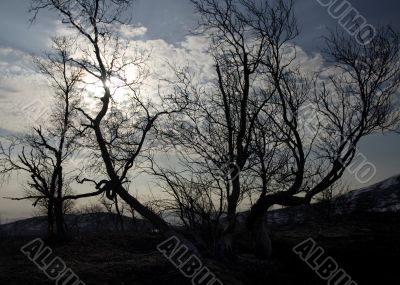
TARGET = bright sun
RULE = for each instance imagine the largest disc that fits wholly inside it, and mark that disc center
(95, 89)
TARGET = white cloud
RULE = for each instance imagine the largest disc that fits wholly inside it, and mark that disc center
(5, 51)
(21, 88)
(130, 32)
(307, 64)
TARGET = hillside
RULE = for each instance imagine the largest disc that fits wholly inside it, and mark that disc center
(77, 223)
(361, 231)
(379, 200)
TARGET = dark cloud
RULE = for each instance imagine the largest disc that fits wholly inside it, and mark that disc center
(16, 31)
(170, 20)
(315, 21)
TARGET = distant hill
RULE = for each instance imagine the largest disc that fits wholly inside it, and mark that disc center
(82, 223)
(380, 199)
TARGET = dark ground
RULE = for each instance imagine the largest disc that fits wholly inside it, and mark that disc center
(368, 250)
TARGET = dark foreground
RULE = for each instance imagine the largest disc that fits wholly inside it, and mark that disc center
(368, 251)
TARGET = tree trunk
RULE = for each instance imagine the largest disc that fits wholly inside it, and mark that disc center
(120, 218)
(59, 206)
(60, 225)
(261, 240)
(225, 247)
(256, 224)
(50, 218)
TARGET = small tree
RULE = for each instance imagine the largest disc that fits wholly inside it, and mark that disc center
(195, 199)
(44, 154)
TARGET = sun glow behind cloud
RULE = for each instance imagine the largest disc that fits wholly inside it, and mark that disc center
(94, 88)
(152, 77)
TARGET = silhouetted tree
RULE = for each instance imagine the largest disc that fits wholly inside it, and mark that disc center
(253, 116)
(116, 130)
(194, 197)
(351, 100)
(45, 155)
(215, 131)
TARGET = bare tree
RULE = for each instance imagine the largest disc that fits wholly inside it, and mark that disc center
(354, 100)
(195, 198)
(44, 154)
(215, 131)
(253, 115)
(116, 131)
(42, 205)
(248, 121)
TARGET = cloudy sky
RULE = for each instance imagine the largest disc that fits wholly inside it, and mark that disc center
(163, 25)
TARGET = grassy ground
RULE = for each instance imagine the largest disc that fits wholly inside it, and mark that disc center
(369, 252)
